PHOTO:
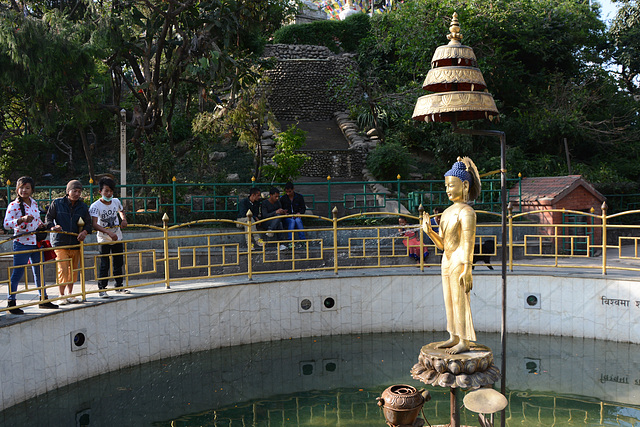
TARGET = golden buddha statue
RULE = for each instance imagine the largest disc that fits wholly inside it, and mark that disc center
(456, 238)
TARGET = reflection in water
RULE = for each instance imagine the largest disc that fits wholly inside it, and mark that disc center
(334, 380)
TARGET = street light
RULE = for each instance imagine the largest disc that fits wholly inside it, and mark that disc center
(123, 153)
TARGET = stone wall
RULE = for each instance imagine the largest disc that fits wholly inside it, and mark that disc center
(298, 86)
(334, 163)
(347, 163)
(296, 51)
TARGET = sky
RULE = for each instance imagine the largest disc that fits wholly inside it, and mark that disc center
(608, 10)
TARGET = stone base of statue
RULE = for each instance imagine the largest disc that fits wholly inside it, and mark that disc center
(470, 369)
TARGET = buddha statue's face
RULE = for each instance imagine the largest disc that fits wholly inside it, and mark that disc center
(455, 188)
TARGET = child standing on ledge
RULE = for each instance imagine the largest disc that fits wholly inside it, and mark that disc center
(107, 216)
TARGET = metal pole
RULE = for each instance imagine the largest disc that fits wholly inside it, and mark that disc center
(454, 407)
(503, 200)
(165, 229)
(503, 326)
(123, 153)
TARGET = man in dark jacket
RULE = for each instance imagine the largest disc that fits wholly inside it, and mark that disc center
(63, 215)
(293, 203)
(251, 203)
(271, 207)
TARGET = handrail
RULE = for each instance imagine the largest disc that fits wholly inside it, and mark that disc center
(177, 253)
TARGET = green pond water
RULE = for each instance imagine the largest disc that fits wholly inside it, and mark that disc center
(334, 381)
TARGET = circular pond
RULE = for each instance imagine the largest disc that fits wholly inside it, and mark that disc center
(334, 380)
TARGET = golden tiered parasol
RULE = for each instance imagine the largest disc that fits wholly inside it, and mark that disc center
(460, 90)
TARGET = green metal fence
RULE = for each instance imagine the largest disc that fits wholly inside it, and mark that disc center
(189, 201)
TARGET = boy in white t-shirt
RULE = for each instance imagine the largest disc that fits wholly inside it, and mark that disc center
(107, 216)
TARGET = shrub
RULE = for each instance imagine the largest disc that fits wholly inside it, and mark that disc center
(388, 160)
(287, 162)
(335, 35)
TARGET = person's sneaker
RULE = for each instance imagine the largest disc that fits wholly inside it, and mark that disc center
(124, 291)
(260, 243)
(48, 305)
(63, 301)
(270, 234)
(73, 300)
(104, 295)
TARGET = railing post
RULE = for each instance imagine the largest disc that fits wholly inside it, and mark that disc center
(604, 238)
(420, 214)
(8, 191)
(165, 229)
(83, 282)
(90, 190)
(215, 204)
(510, 243)
(334, 212)
(175, 210)
(329, 193)
(555, 239)
(520, 191)
(249, 244)
(398, 192)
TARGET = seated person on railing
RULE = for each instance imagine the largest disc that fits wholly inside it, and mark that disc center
(271, 207)
(412, 239)
(252, 204)
(293, 204)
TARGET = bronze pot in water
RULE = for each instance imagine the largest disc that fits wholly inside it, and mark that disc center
(401, 404)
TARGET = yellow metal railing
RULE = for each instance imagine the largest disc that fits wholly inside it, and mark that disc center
(178, 253)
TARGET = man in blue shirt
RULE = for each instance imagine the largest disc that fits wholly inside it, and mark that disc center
(293, 204)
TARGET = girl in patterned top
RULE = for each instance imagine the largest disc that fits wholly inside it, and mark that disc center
(23, 216)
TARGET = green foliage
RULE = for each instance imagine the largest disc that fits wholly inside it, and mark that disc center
(160, 162)
(336, 35)
(204, 124)
(540, 59)
(388, 160)
(247, 120)
(287, 161)
(21, 155)
(625, 48)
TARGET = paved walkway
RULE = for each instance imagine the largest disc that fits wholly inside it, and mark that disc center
(588, 267)
(321, 135)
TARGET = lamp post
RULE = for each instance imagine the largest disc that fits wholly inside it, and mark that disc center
(123, 153)
(460, 94)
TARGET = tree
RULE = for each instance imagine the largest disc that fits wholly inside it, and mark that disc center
(153, 50)
(625, 52)
(247, 119)
(540, 59)
(49, 77)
